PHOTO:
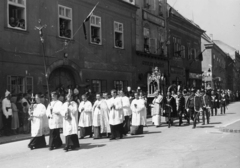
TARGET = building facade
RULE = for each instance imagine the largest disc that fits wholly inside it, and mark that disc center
(103, 61)
(184, 51)
(150, 40)
(214, 61)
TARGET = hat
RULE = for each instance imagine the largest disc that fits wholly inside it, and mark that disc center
(7, 93)
(192, 90)
(76, 91)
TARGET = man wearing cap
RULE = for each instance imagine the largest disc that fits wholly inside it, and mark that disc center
(206, 107)
(214, 101)
(7, 111)
(223, 102)
(198, 106)
(180, 105)
(190, 105)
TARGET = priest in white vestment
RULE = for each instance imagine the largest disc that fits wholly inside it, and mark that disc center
(85, 122)
(39, 124)
(100, 117)
(70, 123)
(7, 113)
(55, 121)
(138, 115)
(126, 111)
(156, 109)
(116, 116)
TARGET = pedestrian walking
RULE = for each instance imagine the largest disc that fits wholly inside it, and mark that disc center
(69, 112)
(180, 105)
(198, 107)
(214, 101)
(39, 124)
(116, 116)
(85, 122)
(127, 112)
(138, 115)
(223, 102)
(206, 107)
(55, 121)
(190, 105)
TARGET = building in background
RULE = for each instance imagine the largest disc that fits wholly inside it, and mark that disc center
(215, 61)
(235, 56)
(103, 61)
(184, 51)
(151, 39)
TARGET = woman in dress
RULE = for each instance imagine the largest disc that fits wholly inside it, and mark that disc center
(37, 114)
(70, 117)
(15, 119)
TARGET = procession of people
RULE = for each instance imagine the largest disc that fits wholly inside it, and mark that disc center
(114, 117)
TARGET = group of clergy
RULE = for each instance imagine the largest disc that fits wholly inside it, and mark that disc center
(111, 117)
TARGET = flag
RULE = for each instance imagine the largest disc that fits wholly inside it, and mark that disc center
(87, 19)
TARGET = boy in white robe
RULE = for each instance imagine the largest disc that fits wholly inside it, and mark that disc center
(127, 112)
(38, 124)
(116, 116)
(70, 119)
(85, 122)
(55, 121)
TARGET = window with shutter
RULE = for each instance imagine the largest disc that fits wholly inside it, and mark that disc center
(153, 45)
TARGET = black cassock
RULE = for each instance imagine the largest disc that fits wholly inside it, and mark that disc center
(170, 103)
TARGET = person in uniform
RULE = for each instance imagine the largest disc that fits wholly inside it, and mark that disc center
(69, 112)
(7, 113)
(198, 106)
(206, 107)
(39, 124)
(223, 102)
(180, 105)
(214, 102)
(190, 105)
(138, 115)
(55, 121)
(85, 122)
(116, 116)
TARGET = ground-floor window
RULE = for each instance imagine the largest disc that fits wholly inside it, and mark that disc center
(20, 84)
(120, 84)
(99, 86)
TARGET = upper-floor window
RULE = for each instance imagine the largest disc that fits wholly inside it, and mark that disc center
(118, 35)
(177, 46)
(194, 55)
(65, 21)
(95, 30)
(130, 1)
(149, 4)
(146, 35)
(160, 10)
(17, 14)
(189, 51)
(153, 45)
(120, 84)
(183, 51)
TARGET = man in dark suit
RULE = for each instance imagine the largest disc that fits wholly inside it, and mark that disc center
(180, 105)
(214, 101)
(206, 107)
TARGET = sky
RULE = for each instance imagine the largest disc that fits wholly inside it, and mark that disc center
(221, 18)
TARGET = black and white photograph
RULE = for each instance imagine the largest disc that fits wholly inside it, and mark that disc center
(119, 83)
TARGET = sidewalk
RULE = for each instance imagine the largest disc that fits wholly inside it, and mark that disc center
(232, 128)
(13, 138)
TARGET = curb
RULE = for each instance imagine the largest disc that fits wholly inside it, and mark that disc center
(223, 129)
(15, 140)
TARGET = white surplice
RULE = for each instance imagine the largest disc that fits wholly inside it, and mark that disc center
(39, 124)
(126, 106)
(138, 112)
(116, 115)
(70, 125)
(55, 118)
(156, 118)
(86, 114)
(101, 116)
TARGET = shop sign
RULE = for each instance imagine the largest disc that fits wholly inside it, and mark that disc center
(195, 76)
(154, 19)
(177, 70)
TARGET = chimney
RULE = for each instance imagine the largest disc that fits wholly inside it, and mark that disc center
(211, 36)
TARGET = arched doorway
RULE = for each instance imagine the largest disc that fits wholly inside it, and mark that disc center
(61, 76)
